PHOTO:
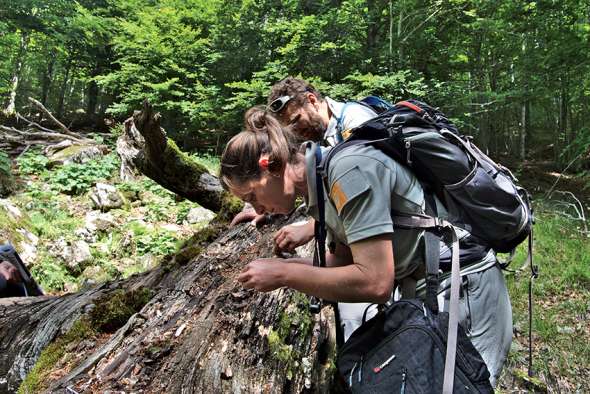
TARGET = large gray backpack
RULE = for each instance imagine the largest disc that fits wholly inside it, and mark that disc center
(480, 195)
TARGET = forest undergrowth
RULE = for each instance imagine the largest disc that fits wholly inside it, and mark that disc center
(152, 223)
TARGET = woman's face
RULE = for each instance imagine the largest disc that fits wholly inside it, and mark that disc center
(268, 194)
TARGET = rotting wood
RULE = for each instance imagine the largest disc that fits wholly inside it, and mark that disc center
(232, 339)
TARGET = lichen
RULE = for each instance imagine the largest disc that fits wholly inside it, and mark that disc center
(281, 336)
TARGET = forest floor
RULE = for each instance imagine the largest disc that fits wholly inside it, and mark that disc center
(152, 223)
(561, 293)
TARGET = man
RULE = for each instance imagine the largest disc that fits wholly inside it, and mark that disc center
(10, 281)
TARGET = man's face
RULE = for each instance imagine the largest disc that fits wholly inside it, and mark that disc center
(304, 118)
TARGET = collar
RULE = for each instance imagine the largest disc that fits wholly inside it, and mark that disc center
(336, 111)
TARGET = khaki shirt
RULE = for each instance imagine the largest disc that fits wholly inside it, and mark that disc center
(363, 187)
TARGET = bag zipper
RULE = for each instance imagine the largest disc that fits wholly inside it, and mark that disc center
(351, 373)
(403, 388)
(384, 364)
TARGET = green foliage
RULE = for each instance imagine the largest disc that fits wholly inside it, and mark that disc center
(33, 162)
(78, 178)
(51, 274)
(5, 163)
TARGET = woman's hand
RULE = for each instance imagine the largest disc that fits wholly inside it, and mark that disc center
(263, 274)
(293, 235)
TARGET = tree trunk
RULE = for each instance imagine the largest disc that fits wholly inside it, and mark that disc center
(62, 90)
(47, 78)
(92, 94)
(145, 147)
(18, 66)
(524, 128)
(179, 328)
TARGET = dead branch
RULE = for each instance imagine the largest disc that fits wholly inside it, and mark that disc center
(53, 119)
(16, 136)
(576, 206)
(550, 191)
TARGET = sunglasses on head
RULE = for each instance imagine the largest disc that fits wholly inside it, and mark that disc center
(278, 104)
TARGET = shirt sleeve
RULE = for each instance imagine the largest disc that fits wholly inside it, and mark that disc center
(360, 189)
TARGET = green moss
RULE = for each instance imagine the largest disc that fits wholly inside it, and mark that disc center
(230, 207)
(176, 159)
(36, 379)
(113, 310)
(295, 319)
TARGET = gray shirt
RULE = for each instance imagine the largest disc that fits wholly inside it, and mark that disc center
(363, 187)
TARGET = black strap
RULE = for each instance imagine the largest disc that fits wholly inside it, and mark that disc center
(432, 257)
(319, 253)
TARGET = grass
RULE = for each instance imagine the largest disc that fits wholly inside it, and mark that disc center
(561, 293)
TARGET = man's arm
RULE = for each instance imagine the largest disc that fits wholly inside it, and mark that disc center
(368, 279)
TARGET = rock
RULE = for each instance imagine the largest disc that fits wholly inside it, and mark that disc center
(100, 221)
(199, 214)
(105, 197)
(74, 254)
(171, 227)
(565, 330)
(80, 252)
(28, 246)
(11, 209)
(74, 153)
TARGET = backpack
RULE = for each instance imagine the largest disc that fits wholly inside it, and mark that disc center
(402, 350)
(480, 195)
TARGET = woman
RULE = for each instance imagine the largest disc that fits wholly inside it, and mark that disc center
(269, 170)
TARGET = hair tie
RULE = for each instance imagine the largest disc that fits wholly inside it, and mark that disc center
(263, 163)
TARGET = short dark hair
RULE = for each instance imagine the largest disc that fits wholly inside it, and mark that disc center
(291, 86)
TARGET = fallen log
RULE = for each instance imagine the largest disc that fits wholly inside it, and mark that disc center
(144, 147)
(192, 328)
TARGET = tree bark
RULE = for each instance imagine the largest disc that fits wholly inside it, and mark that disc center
(62, 90)
(47, 78)
(196, 330)
(145, 147)
(18, 65)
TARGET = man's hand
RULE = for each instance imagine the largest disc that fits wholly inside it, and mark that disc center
(263, 274)
(10, 273)
(292, 236)
(249, 215)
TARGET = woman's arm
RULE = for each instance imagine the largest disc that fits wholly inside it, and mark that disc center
(368, 279)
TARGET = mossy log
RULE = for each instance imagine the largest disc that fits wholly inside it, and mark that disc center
(145, 147)
(187, 326)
